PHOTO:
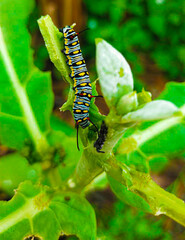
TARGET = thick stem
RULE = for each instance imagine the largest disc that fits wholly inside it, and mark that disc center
(85, 172)
(160, 201)
(90, 164)
(164, 202)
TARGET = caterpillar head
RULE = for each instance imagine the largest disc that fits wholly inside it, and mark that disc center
(68, 32)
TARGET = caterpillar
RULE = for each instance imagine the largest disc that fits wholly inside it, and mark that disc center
(79, 74)
(101, 138)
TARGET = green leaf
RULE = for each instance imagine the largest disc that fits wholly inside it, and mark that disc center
(9, 178)
(71, 153)
(94, 113)
(114, 72)
(153, 140)
(27, 214)
(54, 43)
(25, 92)
(127, 103)
(174, 92)
(127, 196)
(154, 110)
(75, 214)
(135, 159)
(69, 104)
(37, 211)
(99, 183)
(58, 125)
(158, 163)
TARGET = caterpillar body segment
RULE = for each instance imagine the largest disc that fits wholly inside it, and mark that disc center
(80, 76)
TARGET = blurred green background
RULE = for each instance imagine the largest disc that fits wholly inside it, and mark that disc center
(150, 34)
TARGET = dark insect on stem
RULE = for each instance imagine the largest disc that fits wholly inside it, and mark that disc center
(101, 138)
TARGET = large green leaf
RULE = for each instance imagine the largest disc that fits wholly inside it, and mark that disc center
(27, 213)
(25, 92)
(35, 211)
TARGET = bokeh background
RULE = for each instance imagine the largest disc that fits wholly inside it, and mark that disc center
(151, 35)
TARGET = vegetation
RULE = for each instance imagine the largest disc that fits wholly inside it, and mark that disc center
(143, 31)
(51, 177)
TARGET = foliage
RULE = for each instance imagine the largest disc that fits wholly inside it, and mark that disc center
(32, 206)
(138, 28)
(134, 224)
(47, 171)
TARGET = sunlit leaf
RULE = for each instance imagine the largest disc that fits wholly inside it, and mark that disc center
(35, 211)
(27, 214)
(25, 92)
(54, 43)
(154, 110)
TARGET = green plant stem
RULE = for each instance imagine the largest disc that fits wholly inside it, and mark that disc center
(160, 201)
(90, 164)
(167, 203)
(85, 172)
(54, 177)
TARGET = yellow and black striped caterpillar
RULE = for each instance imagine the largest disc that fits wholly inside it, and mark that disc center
(80, 76)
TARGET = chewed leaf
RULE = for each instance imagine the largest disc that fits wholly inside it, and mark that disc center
(54, 43)
(114, 72)
(27, 214)
(155, 110)
(36, 211)
(75, 214)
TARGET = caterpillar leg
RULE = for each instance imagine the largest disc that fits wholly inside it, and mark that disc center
(99, 151)
(77, 126)
(94, 125)
(96, 96)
